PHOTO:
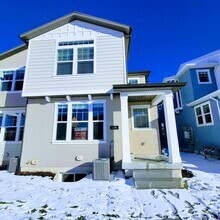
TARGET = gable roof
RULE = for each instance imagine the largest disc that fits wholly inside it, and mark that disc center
(13, 51)
(81, 17)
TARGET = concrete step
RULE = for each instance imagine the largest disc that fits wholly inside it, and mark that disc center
(149, 174)
(169, 183)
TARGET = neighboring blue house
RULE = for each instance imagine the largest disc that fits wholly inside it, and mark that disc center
(197, 105)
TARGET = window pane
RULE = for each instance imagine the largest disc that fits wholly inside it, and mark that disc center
(198, 111)
(133, 81)
(61, 131)
(80, 112)
(10, 120)
(7, 75)
(1, 118)
(200, 120)
(208, 118)
(140, 118)
(86, 53)
(22, 120)
(85, 67)
(6, 86)
(20, 75)
(10, 134)
(21, 134)
(98, 111)
(64, 68)
(79, 131)
(206, 109)
(62, 113)
(18, 85)
(98, 130)
(65, 54)
(203, 77)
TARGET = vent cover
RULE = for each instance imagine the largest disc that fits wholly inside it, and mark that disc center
(13, 165)
(101, 169)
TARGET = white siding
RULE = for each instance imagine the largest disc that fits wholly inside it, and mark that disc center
(41, 79)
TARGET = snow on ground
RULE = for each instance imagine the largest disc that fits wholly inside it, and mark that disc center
(31, 197)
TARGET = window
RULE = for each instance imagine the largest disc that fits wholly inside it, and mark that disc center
(65, 62)
(12, 125)
(85, 60)
(203, 114)
(77, 121)
(140, 117)
(61, 122)
(75, 57)
(133, 80)
(11, 80)
(203, 76)
(177, 99)
(80, 117)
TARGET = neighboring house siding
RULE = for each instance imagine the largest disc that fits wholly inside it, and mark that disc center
(200, 90)
(209, 135)
(109, 63)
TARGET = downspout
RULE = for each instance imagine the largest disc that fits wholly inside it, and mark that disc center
(216, 101)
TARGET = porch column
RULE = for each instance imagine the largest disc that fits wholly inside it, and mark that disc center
(126, 157)
(172, 139)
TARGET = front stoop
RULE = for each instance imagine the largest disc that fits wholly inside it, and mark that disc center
(159, 179)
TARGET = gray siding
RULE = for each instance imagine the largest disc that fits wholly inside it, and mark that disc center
(37, 142)
(41, 67)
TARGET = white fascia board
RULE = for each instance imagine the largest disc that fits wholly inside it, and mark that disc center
(205, 98)
(64, 93)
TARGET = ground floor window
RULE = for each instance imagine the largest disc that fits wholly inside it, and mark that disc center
(11, 125)
(83, 120)
(203, 114)
(140, 116)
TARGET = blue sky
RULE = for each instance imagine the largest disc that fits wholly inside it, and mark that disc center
(165, 34)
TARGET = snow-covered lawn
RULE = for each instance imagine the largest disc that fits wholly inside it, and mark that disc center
(23, 197)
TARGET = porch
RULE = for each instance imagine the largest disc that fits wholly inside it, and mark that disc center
(149, 168)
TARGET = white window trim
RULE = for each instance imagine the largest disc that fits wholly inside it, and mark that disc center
(132, 116)
(133, 78)
(14, 70)
(74, 61)
(90, 124)
(209, 76)
(203, 116)
(11, 112)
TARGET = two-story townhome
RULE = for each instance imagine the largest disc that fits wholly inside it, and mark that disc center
(82, 104)
(12, 105)
(197, 105)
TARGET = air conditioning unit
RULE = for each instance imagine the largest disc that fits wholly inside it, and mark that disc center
(13, 164)
(101, 169)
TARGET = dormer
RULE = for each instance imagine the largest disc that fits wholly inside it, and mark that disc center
(138, 77)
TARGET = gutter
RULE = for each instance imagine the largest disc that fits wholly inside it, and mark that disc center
(217, 104)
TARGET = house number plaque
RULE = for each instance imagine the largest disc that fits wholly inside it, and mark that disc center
(114, 127)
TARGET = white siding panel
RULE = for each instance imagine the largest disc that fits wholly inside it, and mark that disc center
(109, 69)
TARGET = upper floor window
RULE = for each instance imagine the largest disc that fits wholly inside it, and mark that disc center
(203, 114)
(80, 121)
(203, 76)
(133, 80)
(140, 117)
(75, 57)
(12, 80)
(177, 98)
(11, 125)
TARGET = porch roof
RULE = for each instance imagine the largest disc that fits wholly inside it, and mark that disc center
(149, 87)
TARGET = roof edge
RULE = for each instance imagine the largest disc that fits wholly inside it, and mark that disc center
(13, 51)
